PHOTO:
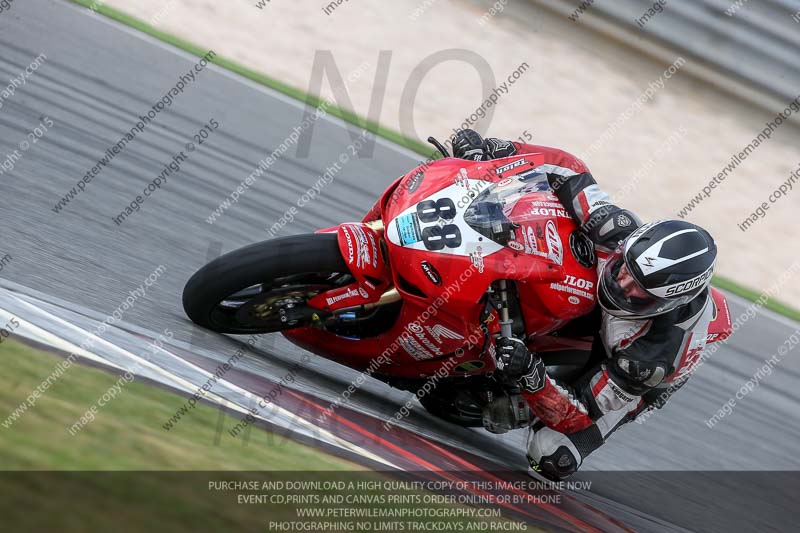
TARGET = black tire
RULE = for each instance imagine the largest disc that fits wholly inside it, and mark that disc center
(256, 264)
(443, 406)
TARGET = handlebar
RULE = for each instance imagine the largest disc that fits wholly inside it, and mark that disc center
(439, 146)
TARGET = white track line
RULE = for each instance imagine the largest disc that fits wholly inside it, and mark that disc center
(309, 429)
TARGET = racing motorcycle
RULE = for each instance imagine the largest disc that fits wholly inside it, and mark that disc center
(452, 254)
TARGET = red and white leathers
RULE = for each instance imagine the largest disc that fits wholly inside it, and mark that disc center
(645, 357)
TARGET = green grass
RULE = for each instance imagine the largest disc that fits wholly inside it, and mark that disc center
(124, 472)
(753, 295)
(412, 144)
(126, 435)
(127, 432)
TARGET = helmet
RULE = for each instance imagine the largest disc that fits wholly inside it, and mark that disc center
(660, 266)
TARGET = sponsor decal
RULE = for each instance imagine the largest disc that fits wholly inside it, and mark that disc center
(415, 181)
(623, 221)
(374, 245)
(363, 292)
(550, 212)
(419, 333)
(576, 287)
(504, 182)
(408, 229)
(690, 285)
(462, 179)
(579, 282)
(532, 236)
(415, 328)
(692, 358)
(439, 331)
(529, 235)
(477, 259)
(350, 293)
(619, 393)
(574, 300)
(571, 290)
(595, 198)
(431, 273)
(363, 256)
(510, 166)
(470, 366)
(514, 245)
(554, 204)
(414, 349)
(555, 250)
(350, 249)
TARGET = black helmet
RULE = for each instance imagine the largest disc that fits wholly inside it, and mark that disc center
(660, 266)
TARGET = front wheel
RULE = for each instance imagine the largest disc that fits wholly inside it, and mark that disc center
(250, 290)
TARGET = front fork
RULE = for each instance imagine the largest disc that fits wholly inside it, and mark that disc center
(509, 411)
(505, 320)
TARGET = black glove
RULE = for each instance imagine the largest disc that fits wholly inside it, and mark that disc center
(497, 148)
(468, 144)
(512, 358)
(516, 363)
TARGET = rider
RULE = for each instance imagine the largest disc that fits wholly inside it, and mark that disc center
(656, 307)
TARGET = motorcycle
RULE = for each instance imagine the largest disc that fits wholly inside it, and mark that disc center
(453, 254)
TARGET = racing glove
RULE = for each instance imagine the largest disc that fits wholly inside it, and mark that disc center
(517, 364)
(468, 144)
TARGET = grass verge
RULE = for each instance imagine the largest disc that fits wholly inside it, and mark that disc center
(124, 472)
(412, 144)
(125, 436)
(126, 433)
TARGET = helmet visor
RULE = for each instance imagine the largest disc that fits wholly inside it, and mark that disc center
(621, 289)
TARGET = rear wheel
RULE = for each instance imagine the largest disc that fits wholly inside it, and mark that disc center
(264, 287)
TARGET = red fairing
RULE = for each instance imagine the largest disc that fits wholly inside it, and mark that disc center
(442, 254)
(553, 156)
(360, 249)
(545, 230)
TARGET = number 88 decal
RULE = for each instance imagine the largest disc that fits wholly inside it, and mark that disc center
(438, 237)
(430, 211)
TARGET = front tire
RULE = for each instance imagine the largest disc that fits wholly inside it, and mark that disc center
(236, 292)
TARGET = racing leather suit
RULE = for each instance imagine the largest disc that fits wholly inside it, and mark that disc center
(647, 359)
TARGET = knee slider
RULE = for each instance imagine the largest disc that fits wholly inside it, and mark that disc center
(558, 465)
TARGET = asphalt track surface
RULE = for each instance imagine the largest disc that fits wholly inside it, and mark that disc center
(99, 76)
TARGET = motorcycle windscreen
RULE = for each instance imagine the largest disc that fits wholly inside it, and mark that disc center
(492, 212)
